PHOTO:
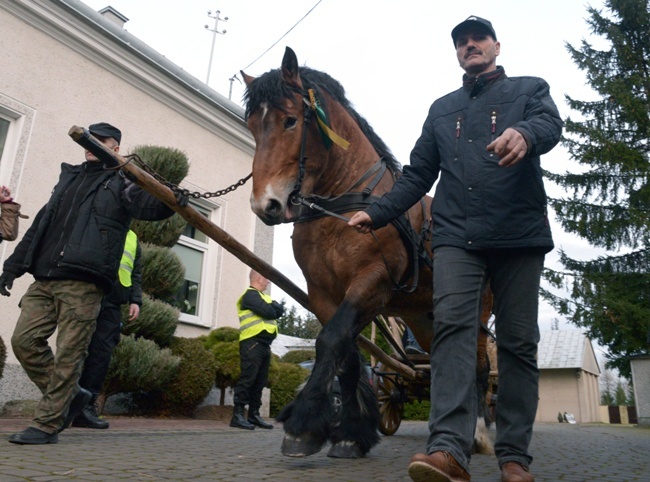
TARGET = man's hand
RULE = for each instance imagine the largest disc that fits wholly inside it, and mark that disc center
(134, 311)
(5, 194)
(6, 283)
(510, 146)
(361, 221)
(278, 307)
(182, 199)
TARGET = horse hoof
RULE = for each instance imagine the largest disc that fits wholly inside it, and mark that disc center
(345, 450)
(300, 446)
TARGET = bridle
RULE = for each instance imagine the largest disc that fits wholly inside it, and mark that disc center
(312, 108)
(295, 197)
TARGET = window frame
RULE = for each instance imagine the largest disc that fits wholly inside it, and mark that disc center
(12, 159)
(207, 295)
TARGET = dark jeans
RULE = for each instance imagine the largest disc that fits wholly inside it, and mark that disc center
(100, 351)
(459, 279)
(254, 359)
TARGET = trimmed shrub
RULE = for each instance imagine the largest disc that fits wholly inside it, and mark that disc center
(417, 410)
(223, 343)
(193, 381)
(284, 380)
(298, 356)
(225, 333)
(170, 163)
(163, 233)
(163, 272)
(3, 356)
(138, 363)
(226, 357)
(157, 321)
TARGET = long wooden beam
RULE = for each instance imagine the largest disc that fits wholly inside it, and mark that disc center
(82, 137)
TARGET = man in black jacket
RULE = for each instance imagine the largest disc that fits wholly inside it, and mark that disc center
(490, 222)
(72, 249)
(126, 290)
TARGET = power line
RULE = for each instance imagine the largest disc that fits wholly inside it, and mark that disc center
(276, 42)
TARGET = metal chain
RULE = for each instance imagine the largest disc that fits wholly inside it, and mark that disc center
(177, 189)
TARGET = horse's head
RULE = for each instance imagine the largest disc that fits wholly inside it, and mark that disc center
(275, 116)
(294, 113)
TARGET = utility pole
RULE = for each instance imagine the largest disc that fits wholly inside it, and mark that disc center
(232, 79)
(214, 31)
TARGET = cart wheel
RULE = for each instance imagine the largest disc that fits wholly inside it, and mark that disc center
(391, 404)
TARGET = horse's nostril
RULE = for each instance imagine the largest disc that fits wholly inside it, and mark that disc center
(273, 208)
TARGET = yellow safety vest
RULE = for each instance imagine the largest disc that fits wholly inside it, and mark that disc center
(251, 324)
(128, 259)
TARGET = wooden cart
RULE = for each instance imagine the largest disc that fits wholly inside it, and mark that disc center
(407, 377)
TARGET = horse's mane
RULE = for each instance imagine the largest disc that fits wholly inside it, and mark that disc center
(270, 87)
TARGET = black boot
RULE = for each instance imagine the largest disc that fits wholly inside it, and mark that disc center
(88, 417)
(255, 418)
(238, 420)
(78, 403)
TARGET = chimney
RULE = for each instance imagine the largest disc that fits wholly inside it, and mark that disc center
(114, 16)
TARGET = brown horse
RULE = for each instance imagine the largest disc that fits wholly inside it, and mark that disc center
(315, 155)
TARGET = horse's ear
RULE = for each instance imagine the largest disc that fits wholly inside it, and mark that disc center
(290, 70)
(248, 79)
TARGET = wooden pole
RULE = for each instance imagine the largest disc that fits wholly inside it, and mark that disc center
(191, 215)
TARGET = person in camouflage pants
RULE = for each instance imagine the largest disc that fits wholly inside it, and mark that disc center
(73, 249)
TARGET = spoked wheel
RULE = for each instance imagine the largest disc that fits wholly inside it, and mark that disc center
(390, 398)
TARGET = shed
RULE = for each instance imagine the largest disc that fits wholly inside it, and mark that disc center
(569, 375)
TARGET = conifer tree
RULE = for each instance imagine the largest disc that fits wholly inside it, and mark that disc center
(292, 323)
(608, 201)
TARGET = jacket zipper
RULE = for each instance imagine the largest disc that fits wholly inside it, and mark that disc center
(493, 118)
(457, 135)
(67, 217)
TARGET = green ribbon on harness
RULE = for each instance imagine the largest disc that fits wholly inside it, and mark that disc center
(327, 134)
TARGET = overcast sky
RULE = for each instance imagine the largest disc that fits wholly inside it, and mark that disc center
(393, 58)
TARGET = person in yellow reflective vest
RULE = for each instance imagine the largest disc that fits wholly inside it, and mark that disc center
(127, 289)
(257, 330)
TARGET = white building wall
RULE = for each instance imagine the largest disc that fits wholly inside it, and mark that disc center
(59, 70)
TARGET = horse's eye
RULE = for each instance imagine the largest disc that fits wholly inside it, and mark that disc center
(289, 122)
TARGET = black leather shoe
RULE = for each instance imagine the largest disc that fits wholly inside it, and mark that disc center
(238, 421)
(88, 418)
(33, 436)
(78, 403)
(259, 421)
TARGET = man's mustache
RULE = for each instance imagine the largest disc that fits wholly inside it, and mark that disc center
(473, 51)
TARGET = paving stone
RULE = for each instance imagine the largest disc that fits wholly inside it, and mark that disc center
(199, 450)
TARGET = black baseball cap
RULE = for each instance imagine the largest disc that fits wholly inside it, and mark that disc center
(104, 129)
(473, 21)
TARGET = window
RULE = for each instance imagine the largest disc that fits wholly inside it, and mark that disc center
(16, 121)
(4, 130)
(193, 250)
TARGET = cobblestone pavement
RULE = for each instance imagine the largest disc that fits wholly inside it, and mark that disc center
(205, 450)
